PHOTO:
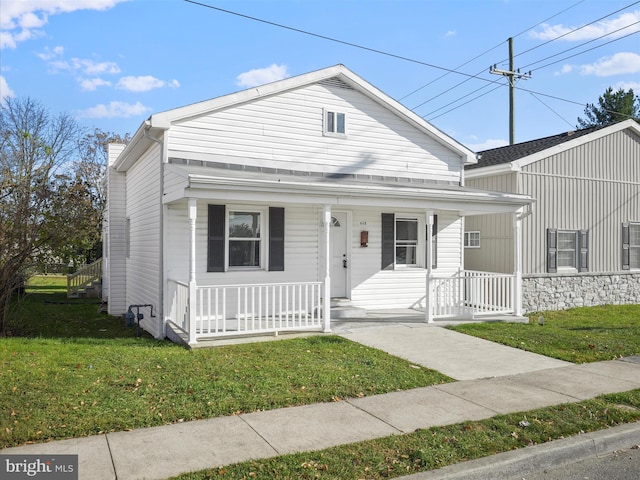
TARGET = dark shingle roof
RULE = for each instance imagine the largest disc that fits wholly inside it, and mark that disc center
(510, 153)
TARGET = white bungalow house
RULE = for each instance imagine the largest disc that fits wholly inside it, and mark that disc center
(247, 213)
(581, 242)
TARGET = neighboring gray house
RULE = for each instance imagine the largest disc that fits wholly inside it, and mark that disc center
(581, 240)
(245, 214)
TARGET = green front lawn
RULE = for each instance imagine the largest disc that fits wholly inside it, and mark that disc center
(579, 335)
(81, 373)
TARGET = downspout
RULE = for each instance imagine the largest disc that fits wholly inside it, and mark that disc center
(161, 280)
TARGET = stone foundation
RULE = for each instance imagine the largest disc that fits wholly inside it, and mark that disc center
(562, 291)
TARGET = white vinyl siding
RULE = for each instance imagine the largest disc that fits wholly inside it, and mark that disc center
(144, 216)
(373, 288)
(287, 129)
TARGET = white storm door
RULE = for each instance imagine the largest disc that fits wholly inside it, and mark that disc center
(339, 260)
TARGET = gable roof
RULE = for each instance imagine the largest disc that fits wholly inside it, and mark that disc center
(161, 121)
(514, 157)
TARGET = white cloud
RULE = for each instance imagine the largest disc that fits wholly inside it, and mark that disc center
(49, 54)
(590, 32)
(635, 86)
(115, 110)
(619, 64)
(90, 84)
(622, 63)
(5, 90)
(450, 33)
(144, 83)
(23, 19)
(487, 145)
(260, 76)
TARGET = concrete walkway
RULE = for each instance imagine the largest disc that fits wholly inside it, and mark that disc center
(494, 381)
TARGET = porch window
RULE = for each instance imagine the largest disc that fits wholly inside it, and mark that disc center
(406, 241)
(567, 250)
(630, 246)
(244, 239)
(335, 123)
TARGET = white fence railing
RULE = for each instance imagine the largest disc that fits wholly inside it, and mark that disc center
(471, 293)
(178, 304)
(227, 310)
(84, 278)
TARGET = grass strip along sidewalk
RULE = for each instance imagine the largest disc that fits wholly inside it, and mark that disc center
(436, 447)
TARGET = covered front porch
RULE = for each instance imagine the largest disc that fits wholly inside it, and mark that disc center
(372, 262)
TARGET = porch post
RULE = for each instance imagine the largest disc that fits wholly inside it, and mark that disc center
(429, 260)
(517, 262)
(193, 215)
(326, 221)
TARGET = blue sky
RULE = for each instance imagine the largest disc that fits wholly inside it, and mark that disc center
(112, 63)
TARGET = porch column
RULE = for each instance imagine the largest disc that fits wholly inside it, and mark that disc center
(193, 215)
(326, 221)
(517, 262)
(429, 260)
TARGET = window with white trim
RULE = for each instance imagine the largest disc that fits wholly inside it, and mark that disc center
(335, 123)
(567, 250)
(406, 241)
(245, 237)
(472, 239)
(245, 242)
(631, 246)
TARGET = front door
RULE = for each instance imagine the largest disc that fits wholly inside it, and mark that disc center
(339, 261)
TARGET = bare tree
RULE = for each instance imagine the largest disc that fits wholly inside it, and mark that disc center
(33, 148)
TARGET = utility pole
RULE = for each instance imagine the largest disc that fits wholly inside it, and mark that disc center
(512, 75)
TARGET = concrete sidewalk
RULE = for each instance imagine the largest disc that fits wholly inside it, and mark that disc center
(161, 452)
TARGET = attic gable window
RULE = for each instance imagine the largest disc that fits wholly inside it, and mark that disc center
(335, 123)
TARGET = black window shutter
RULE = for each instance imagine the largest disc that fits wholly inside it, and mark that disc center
(626, 261)
(215, 238)
(434, 233)
(583, 251)
(276, 239)
(552, 250)
(388, 241)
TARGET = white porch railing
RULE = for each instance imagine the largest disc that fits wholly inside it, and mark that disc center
(228, 310)
(469, 294)
(84, 278)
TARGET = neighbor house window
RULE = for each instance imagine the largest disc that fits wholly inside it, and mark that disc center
(334, 123)
(630, 246)
(406, 241)
(472, 239)
(245, 243)
(567, 250)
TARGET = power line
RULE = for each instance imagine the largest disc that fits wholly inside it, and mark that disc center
(331, 39)
(556, 113)
(584, 51)
(576, 29)
(478, 56)
(401, 57)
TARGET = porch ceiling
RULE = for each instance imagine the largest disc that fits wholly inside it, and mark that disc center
(340, 190)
